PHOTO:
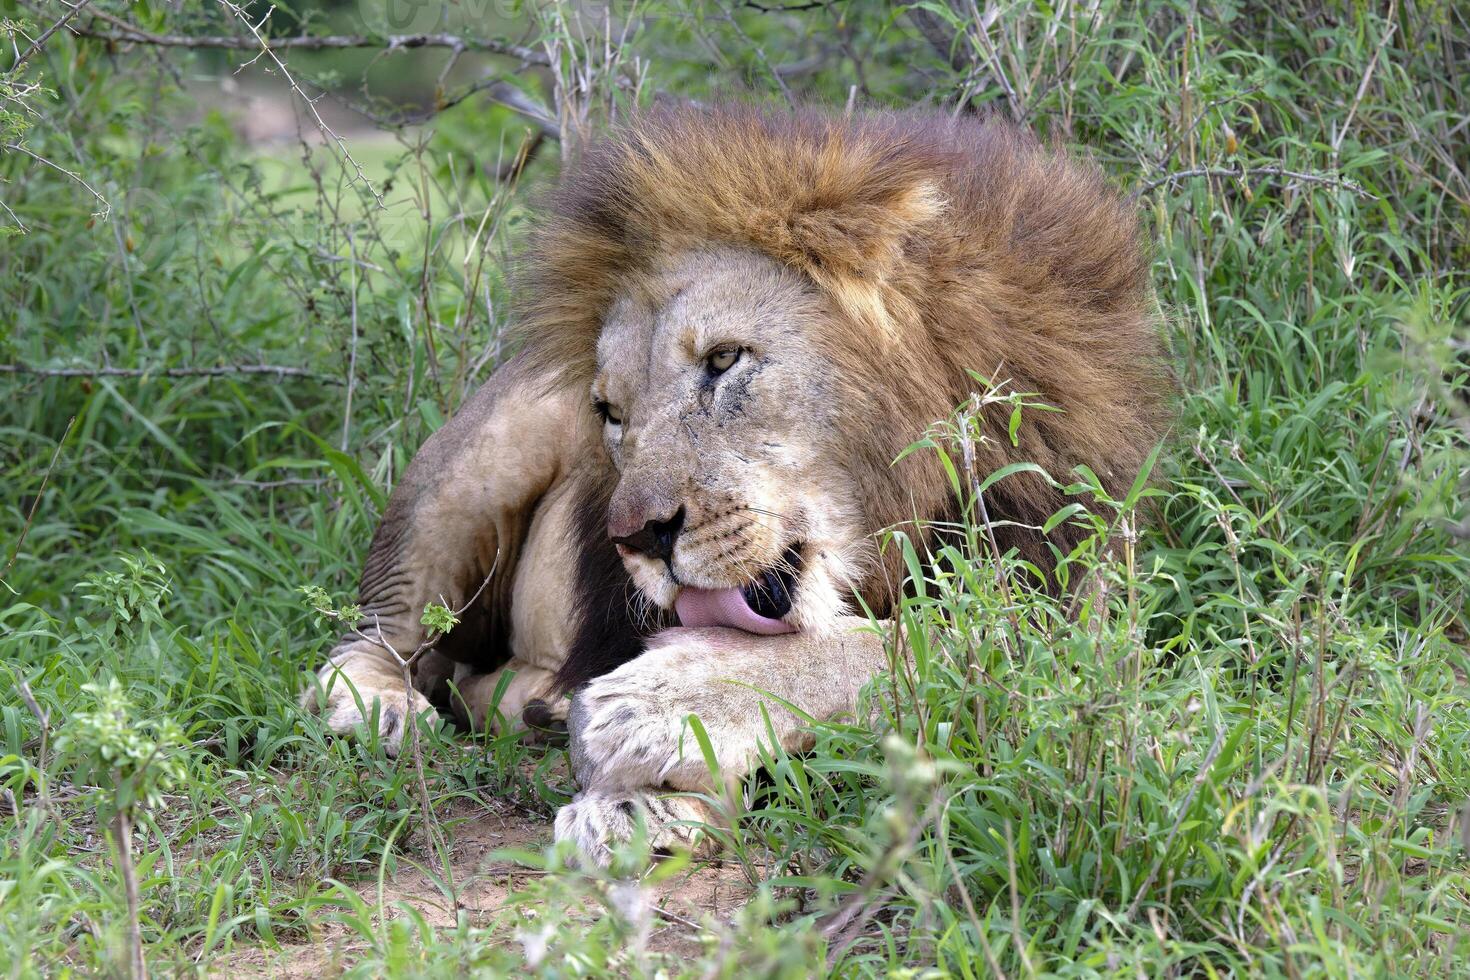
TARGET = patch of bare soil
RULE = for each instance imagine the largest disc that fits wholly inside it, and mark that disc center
(483, 881)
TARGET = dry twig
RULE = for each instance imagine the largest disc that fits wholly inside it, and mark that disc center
(352, 350)
(43, 717)
(22, 148)
(981, 33)
(267, 51)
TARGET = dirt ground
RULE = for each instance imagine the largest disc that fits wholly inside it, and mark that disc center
(483, 880)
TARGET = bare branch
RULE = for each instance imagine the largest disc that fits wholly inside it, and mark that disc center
(1064, 71)
(1199, 117)
(280, 372)
(43, 717)
(509, 171)
(1367, 77)
(939, 35)
(760, 55)
(499, 91)
(300, 481)
(517, 101)
(128, 34)
(356, 280)
(793, 8)
(981, 34)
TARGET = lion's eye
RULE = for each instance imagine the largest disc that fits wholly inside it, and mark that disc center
(611, 414)
(723, 360)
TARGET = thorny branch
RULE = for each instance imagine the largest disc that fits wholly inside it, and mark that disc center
(321, 124)
(224, 370)
(39, 42)
(125, 33)
(14, 217)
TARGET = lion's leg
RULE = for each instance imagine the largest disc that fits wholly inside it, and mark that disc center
(541, 630)
(458, 514)
(597, 821)
(629, 728)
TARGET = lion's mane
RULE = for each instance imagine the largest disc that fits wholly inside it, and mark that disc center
(950, 246)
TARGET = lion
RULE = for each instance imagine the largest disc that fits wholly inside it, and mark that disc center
(669, 502)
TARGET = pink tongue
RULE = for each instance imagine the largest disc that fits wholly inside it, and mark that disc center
(725, 607)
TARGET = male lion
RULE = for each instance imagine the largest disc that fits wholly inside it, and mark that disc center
(734, 323)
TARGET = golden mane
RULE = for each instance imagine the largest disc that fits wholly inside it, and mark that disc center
(949, 246)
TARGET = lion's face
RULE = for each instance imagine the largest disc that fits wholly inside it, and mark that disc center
(720, 414)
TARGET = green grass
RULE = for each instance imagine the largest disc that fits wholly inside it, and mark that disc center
(1248, 755)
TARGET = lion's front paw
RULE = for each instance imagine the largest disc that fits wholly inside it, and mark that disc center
(598, 822)
(631, 729)
(623, 734)
(343, 715)
(348, 693)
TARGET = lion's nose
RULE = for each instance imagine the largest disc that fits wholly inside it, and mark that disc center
(655, 538)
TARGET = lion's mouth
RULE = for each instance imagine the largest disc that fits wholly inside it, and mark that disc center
(755, 607)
